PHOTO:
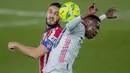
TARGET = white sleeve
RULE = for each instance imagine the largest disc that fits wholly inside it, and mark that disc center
(102, 17)
(73, 23)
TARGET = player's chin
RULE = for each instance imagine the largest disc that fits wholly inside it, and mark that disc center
(90, 36)
(49, 23)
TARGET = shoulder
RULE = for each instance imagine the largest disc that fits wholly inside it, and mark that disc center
(58, 28)
(56, 31)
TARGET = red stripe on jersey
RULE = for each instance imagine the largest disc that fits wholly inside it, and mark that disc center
(58, 31)
(47, 57)
(44, 59)
(41, 63)
(48, 34)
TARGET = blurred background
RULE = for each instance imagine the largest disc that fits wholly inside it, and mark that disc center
(24, 21)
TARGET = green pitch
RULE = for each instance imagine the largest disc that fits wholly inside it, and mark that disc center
(24, 21)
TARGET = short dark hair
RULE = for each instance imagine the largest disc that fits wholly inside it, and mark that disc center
(56, 4)
(94, 16)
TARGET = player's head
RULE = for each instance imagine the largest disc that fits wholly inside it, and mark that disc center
(92, 24)
(52, 15)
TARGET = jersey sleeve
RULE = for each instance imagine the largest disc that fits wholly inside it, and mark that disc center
(52, 38)
(48, 44)
(73, 23)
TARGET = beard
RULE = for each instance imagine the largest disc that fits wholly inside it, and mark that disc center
(52, 25)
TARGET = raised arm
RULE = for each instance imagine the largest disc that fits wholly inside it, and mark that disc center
(74, 23)
(109, 14)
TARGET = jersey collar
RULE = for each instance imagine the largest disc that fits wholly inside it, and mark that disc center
(49, 28)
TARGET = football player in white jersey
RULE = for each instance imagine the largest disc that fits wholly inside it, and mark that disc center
(64, 53)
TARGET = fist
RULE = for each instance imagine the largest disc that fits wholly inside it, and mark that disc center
(12, 46)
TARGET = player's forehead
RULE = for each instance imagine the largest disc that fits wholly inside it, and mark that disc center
(53, 8)
(93, 21)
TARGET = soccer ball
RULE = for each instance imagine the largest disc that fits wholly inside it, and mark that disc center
(69, 11)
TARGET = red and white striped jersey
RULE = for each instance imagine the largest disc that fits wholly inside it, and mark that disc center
(48, 40)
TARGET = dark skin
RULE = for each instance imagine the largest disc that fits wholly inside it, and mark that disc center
(92, 25)
(110, 13)
(91, 10)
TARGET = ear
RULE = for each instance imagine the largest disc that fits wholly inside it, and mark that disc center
(85, 23)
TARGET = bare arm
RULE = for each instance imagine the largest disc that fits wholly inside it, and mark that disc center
(36, 52)
(30, 51)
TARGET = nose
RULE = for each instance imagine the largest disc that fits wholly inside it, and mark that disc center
(52, 15)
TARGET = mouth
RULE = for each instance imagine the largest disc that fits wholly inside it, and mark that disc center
(51, 19)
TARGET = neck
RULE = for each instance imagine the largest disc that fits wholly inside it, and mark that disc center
(50, 27)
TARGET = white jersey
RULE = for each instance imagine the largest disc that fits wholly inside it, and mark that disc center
(63, 55)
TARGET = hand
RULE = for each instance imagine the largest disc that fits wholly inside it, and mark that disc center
(92, 10)
(12, 45)
(110, 13)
